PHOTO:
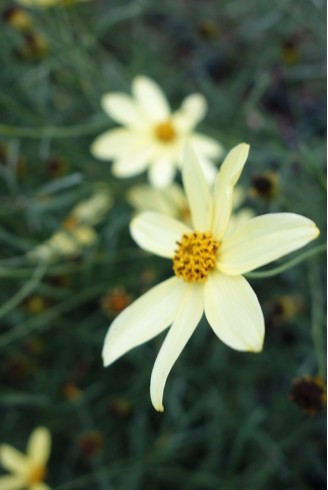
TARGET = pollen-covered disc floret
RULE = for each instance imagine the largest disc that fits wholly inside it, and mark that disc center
(195, 256)
(165, 132)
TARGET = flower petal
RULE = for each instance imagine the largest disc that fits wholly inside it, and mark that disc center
(39, 445)
(186, 320)
(144, 319)
(157, 233)
(132, 164)
(162, 172)
(170, 201)
(264, 239)
(40, 486)
(13, 460)
(115, 143)
(191, 111)
(197, 191)
(233, 311)
(12, 482)
(151, 98)
(206, 146)
(123, 109)
(223, 191)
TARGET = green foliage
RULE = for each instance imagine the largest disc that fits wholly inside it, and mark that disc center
(228, 423)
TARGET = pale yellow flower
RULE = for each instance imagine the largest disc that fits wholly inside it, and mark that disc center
(153, 137)
(91, 211)
(47, 3)
(208, 265)
(77, 232)
(173, 202)
(28, 470)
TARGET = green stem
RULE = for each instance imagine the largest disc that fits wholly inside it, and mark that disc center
(43, 320)
(317, 320)
(291, 263)
(52, 131)
(24, 291)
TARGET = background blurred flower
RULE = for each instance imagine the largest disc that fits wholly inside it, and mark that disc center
(309, 393)
(173, 202)
(28, 471)
(209, 264)
(153, 137)
(77, 232)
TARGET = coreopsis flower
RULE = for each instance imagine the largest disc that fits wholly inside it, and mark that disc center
(208, 265)
(77, 233)
(28, 470)
(153, 137)
(91, 211)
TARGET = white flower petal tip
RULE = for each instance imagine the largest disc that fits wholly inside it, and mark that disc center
(258, 348)
(159, 408)
(234, 162)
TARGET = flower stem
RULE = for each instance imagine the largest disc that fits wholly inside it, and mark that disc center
(24, 291)
(317, 320)
(291, 263)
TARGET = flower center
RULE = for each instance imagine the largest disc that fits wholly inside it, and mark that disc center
(36, 474)
(165, 132)
(195, 256)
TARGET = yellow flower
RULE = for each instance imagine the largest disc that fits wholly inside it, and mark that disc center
(91, 211)
(77, 232)
(153, 137)
(28, 471)
(208, 264)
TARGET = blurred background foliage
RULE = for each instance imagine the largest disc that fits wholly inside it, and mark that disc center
(232, 420)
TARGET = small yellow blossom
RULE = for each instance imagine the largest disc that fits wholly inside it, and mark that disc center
(77, 231)
(153, 137)
(208, 263)
(28, 471)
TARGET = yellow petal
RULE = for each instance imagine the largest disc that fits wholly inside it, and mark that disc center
(157, 233)
(115, 143)
(13, 460)
(162, 172)
(151, 99)
(264, 239)
(190, 113)
(223, 191)
(39, 445)
(233, 311)
(122, 109)
(144, 319)
(187, 318)
(12, 482)
(197, 191)
(133, 163)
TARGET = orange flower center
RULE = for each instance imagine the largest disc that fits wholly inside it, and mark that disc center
(165, 132)
(195, 257)
(36, 474)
